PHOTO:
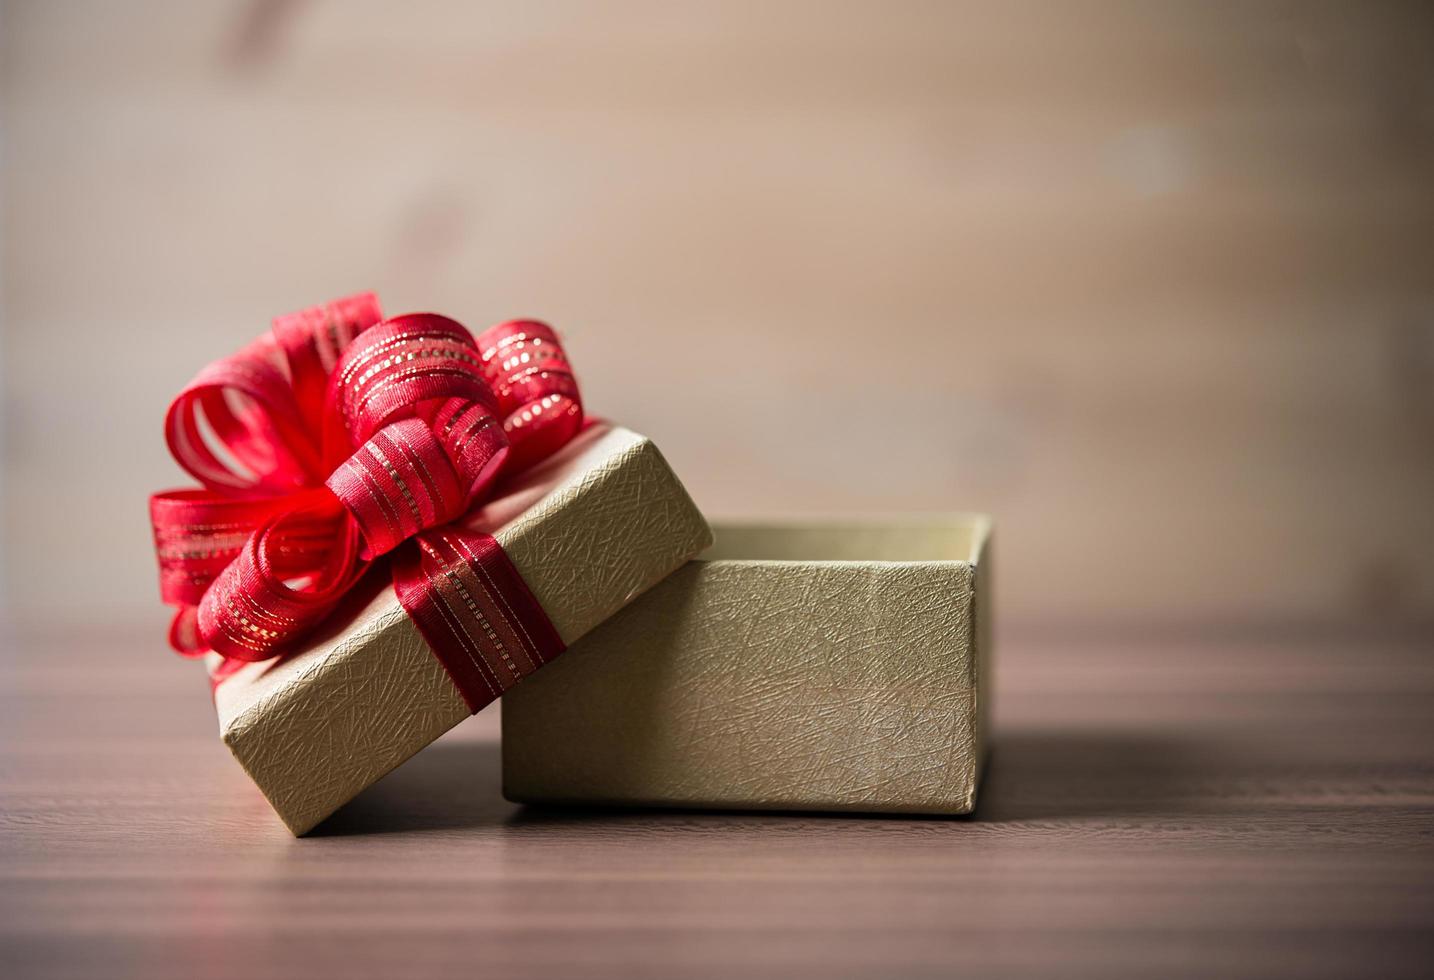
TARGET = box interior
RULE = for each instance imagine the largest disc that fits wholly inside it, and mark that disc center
(948, 538)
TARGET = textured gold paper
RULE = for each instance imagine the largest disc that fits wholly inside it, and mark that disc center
(835, 667)
(594, 527)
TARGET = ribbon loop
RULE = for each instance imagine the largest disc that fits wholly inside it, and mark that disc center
(266, 598)
(403, 366)
(237, 429)
(314, 339)
(196, 534)
(474, 439)
(332, 442)
(538, 397)
(249, 423)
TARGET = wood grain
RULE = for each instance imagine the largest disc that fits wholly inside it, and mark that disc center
(1240, 804)
(1146, 280)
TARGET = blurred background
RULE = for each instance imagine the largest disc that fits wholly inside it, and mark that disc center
(1153, 283)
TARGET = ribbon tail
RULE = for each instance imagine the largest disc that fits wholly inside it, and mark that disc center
(476, 613)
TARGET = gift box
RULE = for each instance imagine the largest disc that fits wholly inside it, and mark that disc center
(396, 522)
(592, 527)
(792, 667)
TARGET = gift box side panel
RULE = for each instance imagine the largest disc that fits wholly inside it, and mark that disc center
(351, 711)
(983, 635)
(764, 685)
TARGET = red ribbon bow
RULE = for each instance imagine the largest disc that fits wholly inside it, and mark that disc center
(335, 441)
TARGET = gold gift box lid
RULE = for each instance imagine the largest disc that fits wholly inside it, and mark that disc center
(589, 529)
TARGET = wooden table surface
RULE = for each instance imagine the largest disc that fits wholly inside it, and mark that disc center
(1251, 803)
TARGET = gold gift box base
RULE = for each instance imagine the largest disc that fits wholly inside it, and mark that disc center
(791, 667)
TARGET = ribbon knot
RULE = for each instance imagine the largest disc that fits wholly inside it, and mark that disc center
(399, 482)
(331, 443)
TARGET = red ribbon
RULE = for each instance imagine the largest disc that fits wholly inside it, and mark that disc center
(340, 439)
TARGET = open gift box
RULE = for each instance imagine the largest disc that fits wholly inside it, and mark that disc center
(791, 667)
